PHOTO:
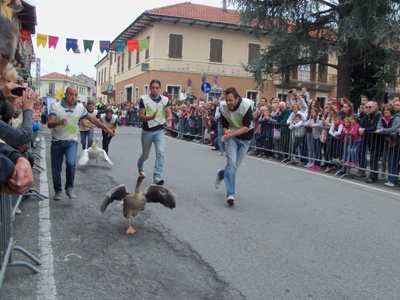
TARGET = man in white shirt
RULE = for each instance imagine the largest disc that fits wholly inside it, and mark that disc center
(64, 120)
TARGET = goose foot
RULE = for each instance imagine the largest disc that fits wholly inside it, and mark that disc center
(130, 230)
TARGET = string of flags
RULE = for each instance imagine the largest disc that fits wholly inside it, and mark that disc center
(42, 39)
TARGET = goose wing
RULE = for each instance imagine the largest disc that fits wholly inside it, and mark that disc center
(83, 160)
(158, 194)
(117, 193)
(103, 153)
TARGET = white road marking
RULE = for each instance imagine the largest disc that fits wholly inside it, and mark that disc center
(46, 284)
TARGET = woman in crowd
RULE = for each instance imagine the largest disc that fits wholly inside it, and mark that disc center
(328, 143)
(389, 125)
(347, 110)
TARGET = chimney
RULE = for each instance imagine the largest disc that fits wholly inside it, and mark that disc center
(224, 5)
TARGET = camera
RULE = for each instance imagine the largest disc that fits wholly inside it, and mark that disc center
(290, 91)
(18, 91)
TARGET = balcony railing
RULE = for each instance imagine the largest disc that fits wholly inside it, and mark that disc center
(305, 76)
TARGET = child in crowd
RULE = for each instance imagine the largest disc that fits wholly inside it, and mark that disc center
(354, 151)
(299, 138)
(336, 132)
(119, 121)
(315, 123)
(347, 141)
(266, 133)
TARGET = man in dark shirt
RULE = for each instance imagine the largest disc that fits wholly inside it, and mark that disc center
(152, 111)
(237, 126)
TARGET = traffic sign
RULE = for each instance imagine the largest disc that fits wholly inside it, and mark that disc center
(189, 82)
(206, 87)
(216, 79)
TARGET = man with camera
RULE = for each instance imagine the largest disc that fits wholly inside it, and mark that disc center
(294, 97)
(15, 171)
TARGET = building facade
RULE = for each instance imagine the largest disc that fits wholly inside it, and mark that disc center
(187, 42)
(24, 17)
(53, 82)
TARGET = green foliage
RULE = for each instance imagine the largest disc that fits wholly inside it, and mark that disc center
(303, 32)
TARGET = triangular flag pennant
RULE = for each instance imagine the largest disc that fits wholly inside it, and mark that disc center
(60, 94)
(132, 45)
(53, 40)
(41, 40)
(104, 46)
(120, 45)
(87, 45)
(72, 44)
(25, 35)
(144, 44)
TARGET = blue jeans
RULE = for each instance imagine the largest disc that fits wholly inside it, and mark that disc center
(354, 151)
(158, 138)
(392, 156)
(236, 150)
(86, 135)
(221, 145)
(58, 150)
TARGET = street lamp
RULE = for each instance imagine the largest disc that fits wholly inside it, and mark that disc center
(66, 77)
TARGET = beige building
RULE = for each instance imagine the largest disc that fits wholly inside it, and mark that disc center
(187, 40)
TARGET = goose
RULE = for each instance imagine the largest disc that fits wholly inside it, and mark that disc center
(135, 202)
(93, 153)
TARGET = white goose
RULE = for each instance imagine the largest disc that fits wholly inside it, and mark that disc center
(93, 153)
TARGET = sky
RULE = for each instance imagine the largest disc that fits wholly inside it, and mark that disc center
(80, 19)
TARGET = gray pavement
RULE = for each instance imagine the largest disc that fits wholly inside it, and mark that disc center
(293, 233)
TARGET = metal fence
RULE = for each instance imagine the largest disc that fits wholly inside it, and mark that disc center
(375, 153)
(8, 206)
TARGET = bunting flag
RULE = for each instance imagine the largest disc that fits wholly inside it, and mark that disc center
(25, 35)
(87, 45)
(132, 45)
(60, 94)
(53, 40)
(120, 45)
(41, 40)
(72, 44)
(144, 44)
(104, 46)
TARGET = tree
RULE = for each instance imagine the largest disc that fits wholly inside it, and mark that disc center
(359, 33)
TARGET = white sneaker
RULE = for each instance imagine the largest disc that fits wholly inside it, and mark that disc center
(217, 181)
(220, 153)
(389, 184)
(308, 165)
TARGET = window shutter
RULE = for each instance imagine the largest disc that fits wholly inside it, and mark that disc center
(175, 46)
(148, 51)
(215, 50)
(254, 52)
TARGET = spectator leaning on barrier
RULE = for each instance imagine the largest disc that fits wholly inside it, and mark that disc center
(86, 128)
(389, 126)
(371, 141)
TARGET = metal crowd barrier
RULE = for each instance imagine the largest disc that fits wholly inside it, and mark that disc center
(8, 206)
(380, 151)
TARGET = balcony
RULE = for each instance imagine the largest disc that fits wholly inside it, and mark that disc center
(104, 87)
(23, 65)
(310, 79)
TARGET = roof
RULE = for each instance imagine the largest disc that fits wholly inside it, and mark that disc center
(28, 16)
(198, 12)
(58, 76)
(183, 13)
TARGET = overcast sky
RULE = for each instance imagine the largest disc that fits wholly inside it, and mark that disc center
(87, 20)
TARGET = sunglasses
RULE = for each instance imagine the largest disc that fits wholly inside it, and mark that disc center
(369, 107)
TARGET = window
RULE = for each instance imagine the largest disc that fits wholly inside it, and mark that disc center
(175, 46)
(52, 88)
(283, 97)
(215, 50)
(146, 90)
(118, 64)
(129, 59)
(137, 57)
(253, 95)
(147, 51)
(122, 64)
(129, 94)
(101, 78)
(115, 57)
(254, 52)
(173, 91)
(136, 94)
(105, 76)
(111, 58)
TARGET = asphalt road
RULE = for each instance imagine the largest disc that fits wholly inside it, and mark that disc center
(292, 234)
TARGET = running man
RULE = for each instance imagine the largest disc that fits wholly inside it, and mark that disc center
(64, 120)
(152, 111)
(237, 126)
